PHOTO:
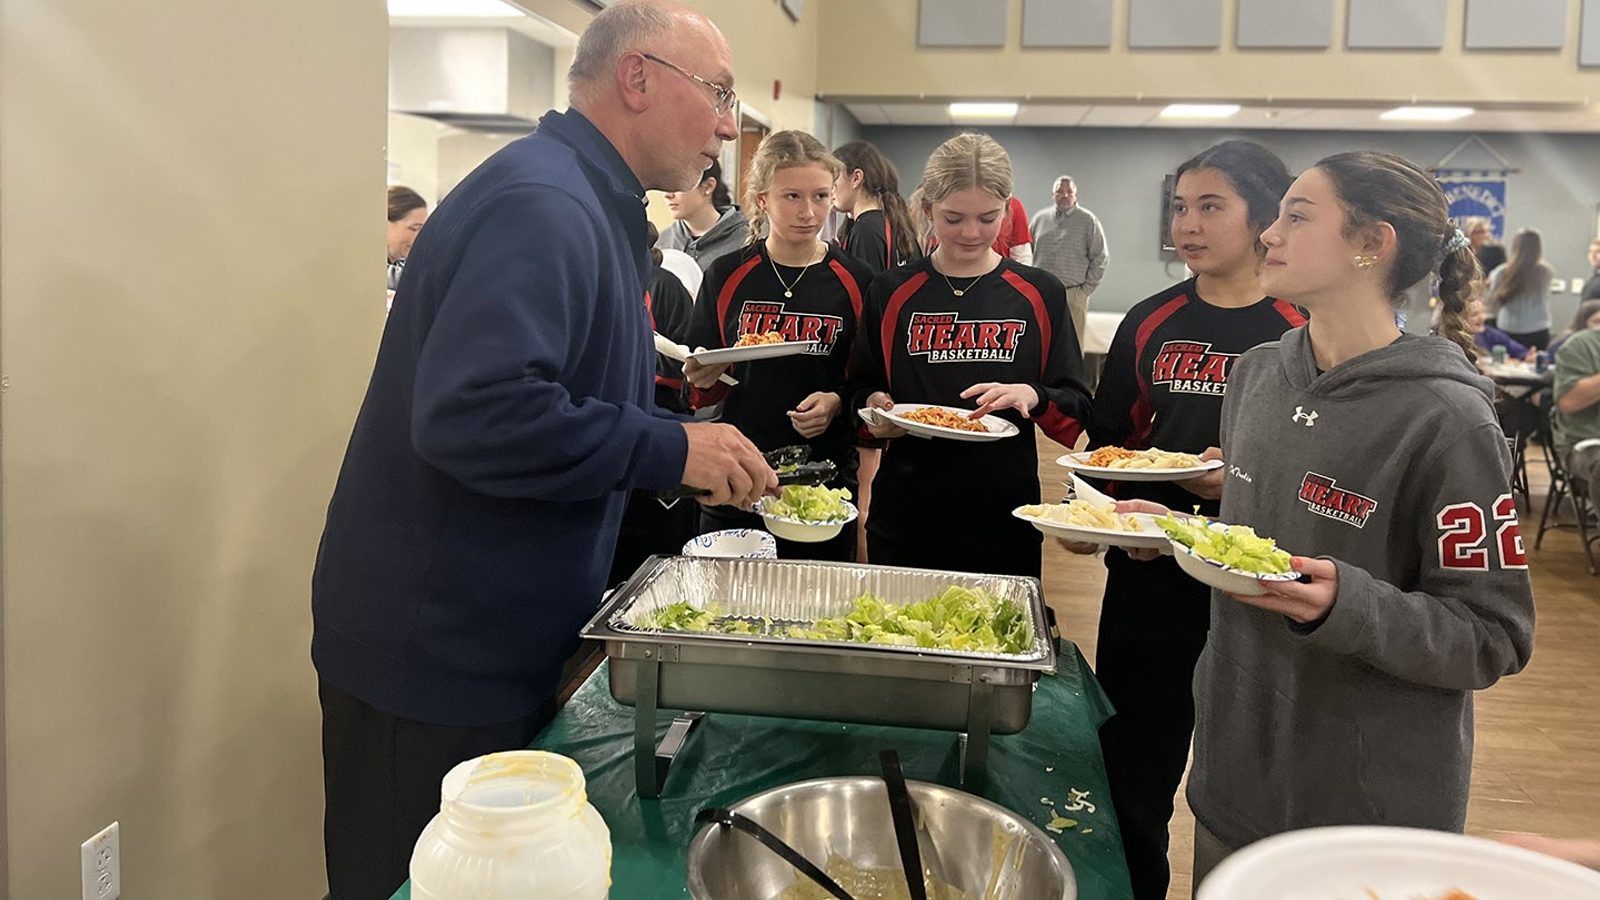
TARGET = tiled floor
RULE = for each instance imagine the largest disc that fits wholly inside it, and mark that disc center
(1537, 765)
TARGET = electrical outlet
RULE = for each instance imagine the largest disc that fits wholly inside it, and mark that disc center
(102, 865)
(1577, 285)
(1559, 286)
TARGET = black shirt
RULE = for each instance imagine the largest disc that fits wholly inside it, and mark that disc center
(741, 295)
(1591, 288)
(922, 344)
(671, 312)
(868, 240)
(1167, 373)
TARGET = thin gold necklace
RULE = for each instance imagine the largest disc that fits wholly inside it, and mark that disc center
(788, 287)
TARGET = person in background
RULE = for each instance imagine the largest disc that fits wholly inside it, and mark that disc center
(1345, 697)
(510, 411)
(1491, 254)
(1163, 386)
(1487, 337)
(407, 212)
(1518, 291)
(1015, 241)
(649, 526)
(1591, 288)
(966, 327)
(1586, 318)
(1577, 418)
(707, 224)
(788, 281)
(879, 231)
(1069, 243)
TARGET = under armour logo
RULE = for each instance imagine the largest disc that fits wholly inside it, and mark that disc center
(1309, 418)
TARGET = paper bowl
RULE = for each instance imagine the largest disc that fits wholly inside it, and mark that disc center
(733, 543)
(806, 532)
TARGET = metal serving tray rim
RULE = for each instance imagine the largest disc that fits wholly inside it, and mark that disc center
(604, 626)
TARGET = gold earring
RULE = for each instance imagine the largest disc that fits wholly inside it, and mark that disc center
(1363, 261)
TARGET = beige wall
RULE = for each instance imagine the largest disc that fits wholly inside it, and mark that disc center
(876, 56)
(413, 154)
(191, 197)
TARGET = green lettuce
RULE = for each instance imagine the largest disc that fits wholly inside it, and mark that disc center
(810, 504)
(1237, 546)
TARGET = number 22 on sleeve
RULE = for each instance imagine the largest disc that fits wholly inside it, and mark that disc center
(1463, 529)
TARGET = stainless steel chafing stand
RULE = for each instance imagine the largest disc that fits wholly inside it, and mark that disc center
(976, 694)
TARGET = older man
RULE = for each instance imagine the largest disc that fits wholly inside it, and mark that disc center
(1577, 420)
(510, 412)
(1069, 243)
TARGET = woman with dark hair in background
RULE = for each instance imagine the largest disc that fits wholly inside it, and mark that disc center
(707, 224)
(1163, 386)
(1345, 698)
(879, 230)
(1518, 292)
(407, 212)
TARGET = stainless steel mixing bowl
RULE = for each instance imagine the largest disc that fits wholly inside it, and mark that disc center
(975, 845)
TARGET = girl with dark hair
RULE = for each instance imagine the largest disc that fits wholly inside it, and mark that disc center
(1518, 291)
(879, 230)
(707, 224)
(1163, 386)
(1345, 698)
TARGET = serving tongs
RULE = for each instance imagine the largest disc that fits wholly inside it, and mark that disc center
(793, 465)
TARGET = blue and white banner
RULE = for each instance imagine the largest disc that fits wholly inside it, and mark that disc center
(1474, 193)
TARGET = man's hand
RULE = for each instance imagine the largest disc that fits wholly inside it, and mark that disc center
(702, 376)
(815, 413)
(724, 462)
(1128, 507)
(881, 400)
(1209, 485)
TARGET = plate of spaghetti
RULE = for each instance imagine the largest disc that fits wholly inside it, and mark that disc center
(927, 420)
(1121, 464)
(753, 346)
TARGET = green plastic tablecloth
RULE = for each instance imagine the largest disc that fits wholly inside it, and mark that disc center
(729, 758)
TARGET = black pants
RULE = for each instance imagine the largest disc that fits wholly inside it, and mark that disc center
(840, 548)
(1005, 556)
(381, 776)
(1540, 338)
(650, 529)
(1153, 624)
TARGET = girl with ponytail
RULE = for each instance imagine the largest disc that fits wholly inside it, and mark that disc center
(1345, 698)
(880, 231)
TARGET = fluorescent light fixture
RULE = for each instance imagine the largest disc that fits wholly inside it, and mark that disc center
(1200, 111)
(983, 110)
(452, 9)
(1426, 113)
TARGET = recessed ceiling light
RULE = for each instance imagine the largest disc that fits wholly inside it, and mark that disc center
(1200, 111)
(452, 9)
(1426, 113)
(983, 110)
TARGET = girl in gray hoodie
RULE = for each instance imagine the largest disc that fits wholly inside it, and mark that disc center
(1347, 699)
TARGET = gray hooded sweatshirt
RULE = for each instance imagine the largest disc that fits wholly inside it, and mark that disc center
(1393, 466)
(731, 232)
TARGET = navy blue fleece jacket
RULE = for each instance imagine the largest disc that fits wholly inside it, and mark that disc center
(510, 410)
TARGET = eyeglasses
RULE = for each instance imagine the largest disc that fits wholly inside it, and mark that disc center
(726, 98)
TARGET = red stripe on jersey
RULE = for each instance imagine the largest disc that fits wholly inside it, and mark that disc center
(1289, 313)
(1058, 426)
(850, 286)
(891, 319)
(674, 383)
(725, 296)
(1041, 314)
(648, 309)
(700, 398)
(1143, 414)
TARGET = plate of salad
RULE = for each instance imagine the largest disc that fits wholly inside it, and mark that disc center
(1231, 558)
(808, 514)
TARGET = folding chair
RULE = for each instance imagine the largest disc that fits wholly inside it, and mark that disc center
(1562, 488)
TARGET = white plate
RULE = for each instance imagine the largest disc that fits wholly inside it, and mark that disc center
(997, 427)
(1344, 863)
(730, 355)
(1224, 578)
(1077, 462)
(805, 532)
(1148, 537)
